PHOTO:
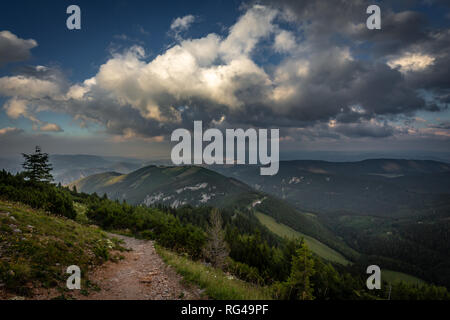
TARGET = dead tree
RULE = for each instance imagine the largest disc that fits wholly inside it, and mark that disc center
(216, 249)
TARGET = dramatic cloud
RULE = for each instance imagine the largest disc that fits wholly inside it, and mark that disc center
(370, 129)
(411, 62)
(13, 49)
(303, 65)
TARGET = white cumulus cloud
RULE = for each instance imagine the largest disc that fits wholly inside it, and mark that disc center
(182, 23)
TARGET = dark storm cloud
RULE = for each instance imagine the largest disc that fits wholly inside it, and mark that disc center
(365, 130)
(399, 32)
(443, 125)
(333, 131)
(370, 83)
(13, 48)
(325, 66)
(437, 75)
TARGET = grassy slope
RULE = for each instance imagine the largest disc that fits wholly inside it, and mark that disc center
(394, 276)
(316, 246)
(137, 185)
(217, 285)
(305, 223)
(36, 248)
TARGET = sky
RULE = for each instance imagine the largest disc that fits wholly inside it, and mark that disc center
(138, 70)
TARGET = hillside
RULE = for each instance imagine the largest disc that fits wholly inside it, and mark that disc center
(353, 226)
(69, 168)
(36, 248)
(197, 186)
(316, 246)
(391, 187)
(172, 186)
(396, 212)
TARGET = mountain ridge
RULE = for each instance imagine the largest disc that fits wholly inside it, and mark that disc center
(175, 186)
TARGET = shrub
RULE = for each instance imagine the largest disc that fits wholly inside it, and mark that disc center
(38, 195)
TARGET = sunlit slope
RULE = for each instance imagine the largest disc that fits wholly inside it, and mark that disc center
(198, 186)
(394, 277)
(173, 186)
(316, 246)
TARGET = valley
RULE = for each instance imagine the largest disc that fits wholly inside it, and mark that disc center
(407, 199)
(410, 245)
(171, 186)
(196, 186)
(316, 246)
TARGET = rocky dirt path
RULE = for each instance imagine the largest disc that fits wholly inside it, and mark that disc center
(141, 275)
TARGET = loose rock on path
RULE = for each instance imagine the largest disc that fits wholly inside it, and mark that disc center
(141, 275)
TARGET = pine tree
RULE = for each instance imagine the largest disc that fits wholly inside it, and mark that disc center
(37, 166)
(216, 249)
(301, 271)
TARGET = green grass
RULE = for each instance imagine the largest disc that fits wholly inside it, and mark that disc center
(36, 248)
(314, 245)
(215, 282)
(81, 213)
(394, 276)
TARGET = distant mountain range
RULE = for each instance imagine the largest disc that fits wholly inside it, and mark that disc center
(68, 168)
(389, 212)
(384, 187)
(192, 185)
(395, 213)
(383, 210)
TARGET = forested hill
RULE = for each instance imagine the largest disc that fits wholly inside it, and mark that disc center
(197, 186)
(172, 186)
(266, 264)
(381, 187)
(395, 211)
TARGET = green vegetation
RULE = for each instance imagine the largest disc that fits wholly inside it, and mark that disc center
(148, 223)
(216, 250)
(215, 282)
(252, 258)
(36, 245)
(316, 246)
(395, 277)
(37, 167)
(418, 246)
(39, 195)
(301, 273)
(36, 248)
(166, 185)
(305, 223)
(81, 216)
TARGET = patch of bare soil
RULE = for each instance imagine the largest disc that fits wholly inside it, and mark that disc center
(141, 275)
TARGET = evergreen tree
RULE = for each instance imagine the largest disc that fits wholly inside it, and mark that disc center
(301, 271)
(216, 249)
(37, 166)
